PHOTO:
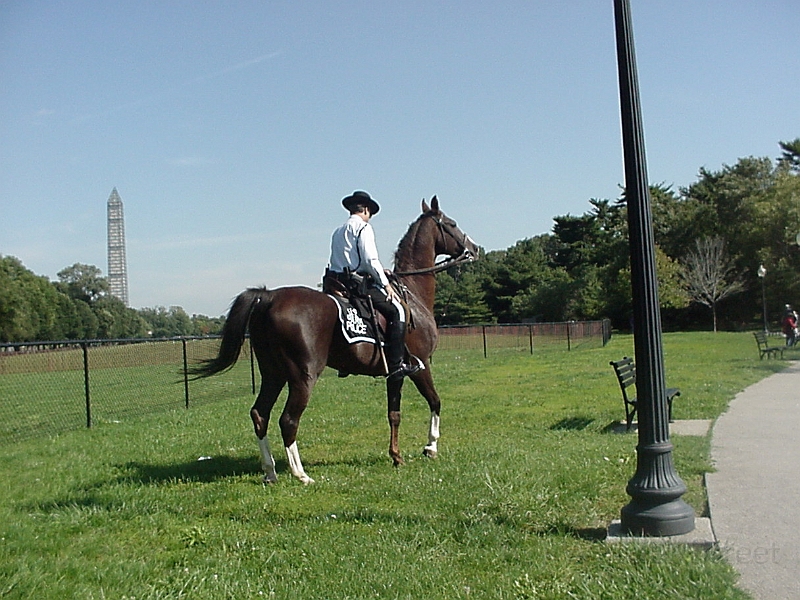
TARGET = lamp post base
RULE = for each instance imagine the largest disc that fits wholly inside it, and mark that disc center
(667, 519)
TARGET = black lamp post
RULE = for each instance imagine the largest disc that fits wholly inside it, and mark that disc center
(656, 507)
(762, 275)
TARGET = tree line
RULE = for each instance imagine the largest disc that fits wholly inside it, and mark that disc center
(726, 246)
(79, 306)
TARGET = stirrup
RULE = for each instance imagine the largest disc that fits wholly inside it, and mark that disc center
(406, 369)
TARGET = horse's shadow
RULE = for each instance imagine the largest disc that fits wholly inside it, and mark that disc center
(205, 469)
(215, 468)
(148, 474)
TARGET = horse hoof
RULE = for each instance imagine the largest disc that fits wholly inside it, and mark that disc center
(269, 480)
(306, 480)
(429, 452)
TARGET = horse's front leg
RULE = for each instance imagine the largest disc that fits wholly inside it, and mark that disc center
(394, 388)
(431, 450)
(424, 382)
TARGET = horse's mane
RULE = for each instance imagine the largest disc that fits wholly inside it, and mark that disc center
(406, 249)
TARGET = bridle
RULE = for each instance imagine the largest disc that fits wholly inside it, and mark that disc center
(446, 229)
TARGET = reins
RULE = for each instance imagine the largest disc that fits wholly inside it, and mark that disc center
(465, 256)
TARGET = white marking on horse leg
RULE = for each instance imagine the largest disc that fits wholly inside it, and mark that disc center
(433, 436)
(295, 465)
(267, 462)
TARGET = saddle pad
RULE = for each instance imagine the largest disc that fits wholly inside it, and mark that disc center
(355, 328)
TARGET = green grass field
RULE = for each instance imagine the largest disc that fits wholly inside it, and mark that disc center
(171, 505)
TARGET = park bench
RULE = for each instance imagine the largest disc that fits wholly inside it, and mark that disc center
(626, 375)
(764, 349)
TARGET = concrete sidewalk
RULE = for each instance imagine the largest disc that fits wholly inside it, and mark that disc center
(754, 495)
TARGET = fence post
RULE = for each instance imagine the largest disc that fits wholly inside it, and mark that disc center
(530, 336)
(85, 348)
(483, 328)
(569, 341)
(185, 373)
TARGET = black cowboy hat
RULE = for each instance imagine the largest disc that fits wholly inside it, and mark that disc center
(363, 199)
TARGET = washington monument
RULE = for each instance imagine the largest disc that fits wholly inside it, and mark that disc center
(117, 264)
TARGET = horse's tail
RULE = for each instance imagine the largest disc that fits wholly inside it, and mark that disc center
(233, 332)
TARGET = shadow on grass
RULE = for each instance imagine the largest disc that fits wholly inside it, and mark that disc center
(97, 496)
(618, 427)
(209, 469)
(588, 534)
(205, 469)
(365, 461)
(577, 423)
(369, 515)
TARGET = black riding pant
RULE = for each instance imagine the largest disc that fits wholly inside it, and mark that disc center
(394, 345)
(393, 311)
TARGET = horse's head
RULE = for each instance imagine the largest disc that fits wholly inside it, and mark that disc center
(450, 241)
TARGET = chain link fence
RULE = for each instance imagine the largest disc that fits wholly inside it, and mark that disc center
(50, 387)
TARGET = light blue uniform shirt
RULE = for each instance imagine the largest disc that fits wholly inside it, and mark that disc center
(353, 247)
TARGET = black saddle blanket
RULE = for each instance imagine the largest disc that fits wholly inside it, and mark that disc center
(355, 321)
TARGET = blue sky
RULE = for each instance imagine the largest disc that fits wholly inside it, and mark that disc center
(233, 129)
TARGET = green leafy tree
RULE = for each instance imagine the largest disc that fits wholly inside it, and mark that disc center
(83, 282)
(756, 209)
(736, 196)
(203, 325)
(546, 299)
(507, 273)
(115, 320)
(163, 322)
(460, 298)
(29, 304)
(790, 157)
(78, 320)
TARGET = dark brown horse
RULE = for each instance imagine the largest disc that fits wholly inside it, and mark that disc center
(294, 333)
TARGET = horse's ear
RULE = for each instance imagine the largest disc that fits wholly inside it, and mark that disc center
(435, 204)
(425, 207)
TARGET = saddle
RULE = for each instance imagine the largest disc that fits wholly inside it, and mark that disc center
(359, 320)
(357, 316)
(357, 324)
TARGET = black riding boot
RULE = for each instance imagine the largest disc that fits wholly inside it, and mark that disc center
(395, 350)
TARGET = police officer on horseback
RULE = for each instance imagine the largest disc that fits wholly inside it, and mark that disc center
(354, 262)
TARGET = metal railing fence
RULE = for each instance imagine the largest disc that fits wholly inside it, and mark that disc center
(526, 336)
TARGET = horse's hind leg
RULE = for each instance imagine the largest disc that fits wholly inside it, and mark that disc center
(270, 390)
(394, 389)
(424, 382)
(299, 393)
